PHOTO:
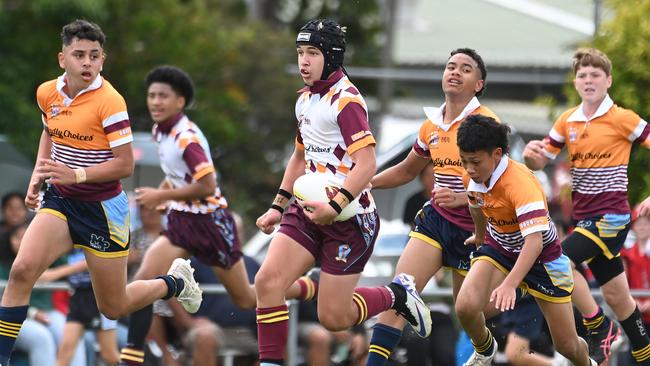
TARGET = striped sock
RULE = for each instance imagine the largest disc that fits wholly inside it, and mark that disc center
(272, 333)
(11, 320)
(486, 348)
(308, 288)
(594, 321)
(384, 340)
(371, 301)
(638, 336)
(131, 357)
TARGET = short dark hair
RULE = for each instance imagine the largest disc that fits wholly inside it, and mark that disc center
(8, 197)
(482, 133)
(82, 29)
(479, 61)
(175, 77)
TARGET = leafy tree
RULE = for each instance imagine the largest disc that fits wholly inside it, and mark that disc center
(625, 40)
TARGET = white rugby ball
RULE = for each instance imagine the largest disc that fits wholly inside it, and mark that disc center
(321, 187)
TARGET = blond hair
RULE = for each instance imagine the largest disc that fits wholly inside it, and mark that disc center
(591, 57)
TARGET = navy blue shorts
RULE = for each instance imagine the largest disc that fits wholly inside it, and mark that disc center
(434, 229)
(526, 319)
(100, 227)
(551, 281)
(212, 238)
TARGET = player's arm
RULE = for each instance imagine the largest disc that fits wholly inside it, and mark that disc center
(402, 173)
(121, 166)
(62, 271)
(204, 187)
(480, 226)
(44, 153)
(295, 168)
(534, 156)
(365, 166)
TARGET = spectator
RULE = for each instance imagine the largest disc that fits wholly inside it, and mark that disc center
(636, 257)
(418, 199)
(14, 212)
(34, 338)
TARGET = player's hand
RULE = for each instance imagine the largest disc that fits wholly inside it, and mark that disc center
(644, 207)
(266, 223)
(504, 297)
(320, 213)
(472, 240)
(54, 172)
(42, 317)
(445, 197)
(149, 197)
(534, 150)
(33, 198)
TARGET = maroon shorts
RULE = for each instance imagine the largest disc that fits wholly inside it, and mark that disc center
(341, 248)
(212, 238)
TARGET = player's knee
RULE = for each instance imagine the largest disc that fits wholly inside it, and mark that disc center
(466, 306)
(569, 348)
(319, 337)
(23, 273)
(110, 356)
(268, 282)
(205, 337)
(334, 321)
(112, 311)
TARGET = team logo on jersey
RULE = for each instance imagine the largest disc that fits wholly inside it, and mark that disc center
(573, 134)
(56, 109)
(344, 251)
(302, 120)
(433, 139)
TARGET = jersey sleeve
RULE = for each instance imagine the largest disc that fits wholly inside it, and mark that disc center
(41, 101)
(195, 157)
(636, 129)
(115, 121)
(556, 139)
(421, 144)
(528, 200)
(471, 198)
(352, 119)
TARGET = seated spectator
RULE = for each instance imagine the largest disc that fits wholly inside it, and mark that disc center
(524, 326)
(14, 211)
(636, 260)
(418, 199)
(84, 314)
(34, 339)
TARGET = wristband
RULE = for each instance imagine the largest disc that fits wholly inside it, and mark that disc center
(80, 175)
(284, 194)
(347, 194)
(335, 206)
(278, 208)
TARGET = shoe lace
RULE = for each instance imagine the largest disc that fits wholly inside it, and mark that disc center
(606, 343)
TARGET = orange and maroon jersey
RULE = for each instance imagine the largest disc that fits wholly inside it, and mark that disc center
(514, 206)
(84, 129)
(437, 141)
(599, 152)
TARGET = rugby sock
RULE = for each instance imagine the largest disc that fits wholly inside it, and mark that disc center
(594, 321)
(272, 333)
(371, 301)
(638, 336)
(486, 348)
(384, 340)
(308, 288)
(11, 320)
(139, 324)
(174, 286)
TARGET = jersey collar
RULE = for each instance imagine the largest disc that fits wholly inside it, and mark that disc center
(436, 115)
(322, 86)
(166, 127)
(61, 82)
(498, 172)
(579, 116)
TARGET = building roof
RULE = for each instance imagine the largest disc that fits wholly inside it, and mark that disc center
(510, 33)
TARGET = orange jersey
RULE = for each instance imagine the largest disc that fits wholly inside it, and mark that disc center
(84, 130)
(599, 152)
(514, 206)
(437, 141)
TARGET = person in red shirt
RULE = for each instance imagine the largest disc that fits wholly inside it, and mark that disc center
(636, 260)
